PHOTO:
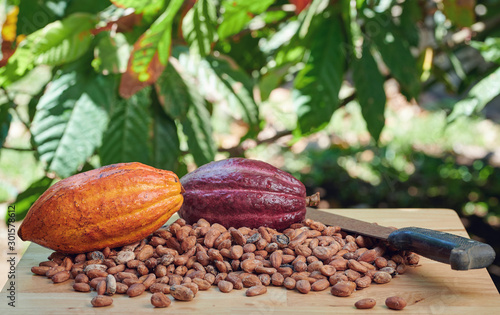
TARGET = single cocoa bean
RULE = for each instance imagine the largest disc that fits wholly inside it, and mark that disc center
(61, 276)
(160, 300)
(225, 286)
(343, 288)
(365, 303)
(320, 285)
(303, 286)
(395, 303)
(136, 289)
(81, 287)
(101, 301)
(181, 293)
(256, 290)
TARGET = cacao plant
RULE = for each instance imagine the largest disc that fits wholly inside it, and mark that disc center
(101, 82)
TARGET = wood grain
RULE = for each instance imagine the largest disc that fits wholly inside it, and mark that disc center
(430, 288)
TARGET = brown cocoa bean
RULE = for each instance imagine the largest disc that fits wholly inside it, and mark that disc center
(181, 292)
(160, 300)
(101, 301)
(382, 277)
(225, 286)
(320, 285)
(136, 289)
(40, 270)
(343, 288)
(364, 304)
(121, 288)
(395, 303)
(101, 287)
(256, 290)
(61, 276)
(250, 280)
(289, 283)
(81, 287)
(303, 286)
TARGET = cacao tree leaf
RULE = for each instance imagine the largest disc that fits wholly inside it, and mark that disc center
(238, 88)
(238, 13)
(412, 13)
(396, 54)
(70, 120)
(460, 12)
(218, 81)
(140, 6)
(184, 102)
(34, 14)
(369, 83)
(111, 53)
(25, 199)
(5, 120)
(62, 41)
(127, 136)
(150, 53)
(57, 43)
(198, 129)
(480, 95)
(317, 85)
(166, 146)
(199, 27)
(173, 94)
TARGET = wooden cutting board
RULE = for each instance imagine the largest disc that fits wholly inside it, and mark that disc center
(430, 288)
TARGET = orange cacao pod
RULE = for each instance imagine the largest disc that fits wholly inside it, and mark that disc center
(111, 206)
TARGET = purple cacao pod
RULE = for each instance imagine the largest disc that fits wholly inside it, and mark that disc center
(243, 192)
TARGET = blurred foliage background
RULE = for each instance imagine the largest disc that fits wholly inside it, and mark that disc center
(374, 103)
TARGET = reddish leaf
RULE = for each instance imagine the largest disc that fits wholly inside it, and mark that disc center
(300, 5)
(130, 82)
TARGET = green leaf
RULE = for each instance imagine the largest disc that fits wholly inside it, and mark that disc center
(199, 27)
(370, 92)
(35, 14)
(317, 85)
(140, 6)
(218, 81)
(25, 200)
(70, 120)
(489, 49)
(480, 95)
(238, 88)
(5, 120)
(126, 139)
(57, 43)
(412, 13)
(395, 51)
(184, 102)
(460, 13)
(63, 41)
(111, 53)
(173, 94)
(198, 129)
(166, 146)
(238, 13)
(150, 53)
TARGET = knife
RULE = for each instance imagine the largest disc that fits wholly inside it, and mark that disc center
(459, 252)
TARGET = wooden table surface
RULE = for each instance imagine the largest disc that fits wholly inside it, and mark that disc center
(430, 288)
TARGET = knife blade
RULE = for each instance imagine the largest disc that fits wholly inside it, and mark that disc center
(459, 252)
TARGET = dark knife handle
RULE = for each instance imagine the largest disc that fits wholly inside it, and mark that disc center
(460, 252)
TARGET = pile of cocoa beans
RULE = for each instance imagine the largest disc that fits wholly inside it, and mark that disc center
(181, 259)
